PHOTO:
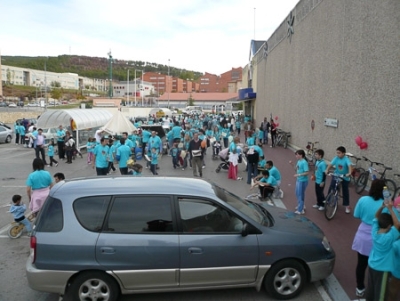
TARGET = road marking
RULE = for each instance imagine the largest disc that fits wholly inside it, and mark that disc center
(321, 290)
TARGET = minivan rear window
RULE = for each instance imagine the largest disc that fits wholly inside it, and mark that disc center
(90, 211)
(51, 216)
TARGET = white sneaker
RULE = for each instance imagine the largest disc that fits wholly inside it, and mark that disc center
(315, 206)
(183, 169)
(204, 166)
(281, 196)
(321, 208)
(304, 207)
(348, 209)
(298, 212)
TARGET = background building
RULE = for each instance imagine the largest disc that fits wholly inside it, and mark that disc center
(213, 83)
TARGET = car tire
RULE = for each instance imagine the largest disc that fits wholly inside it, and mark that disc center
(8, 139)
(100, 285)
(285, 280)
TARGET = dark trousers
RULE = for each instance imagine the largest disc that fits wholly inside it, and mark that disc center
(226, 140)
(68, 153)
(319, 192)
(273, 138)
(175, 162)
(238, 130)
(40, 150)
(252, 171)
(153, 169)
(362, 264)
(16, 138)
(345, 191)
(101, 171)
(123, 170)
(110, 166)
(61, 152)
(266, 191)
(52, 161)
(22, 138)
(374, 286)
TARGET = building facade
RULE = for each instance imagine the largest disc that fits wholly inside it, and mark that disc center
(214, 83)
(329, 73)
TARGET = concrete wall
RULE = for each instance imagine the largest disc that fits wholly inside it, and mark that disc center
(342, 62)
(10, 117)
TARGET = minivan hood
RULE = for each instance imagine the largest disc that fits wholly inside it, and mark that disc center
(288, 221)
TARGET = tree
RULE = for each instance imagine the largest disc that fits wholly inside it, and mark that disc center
(190, 100)
(55, 84)
(56, 93)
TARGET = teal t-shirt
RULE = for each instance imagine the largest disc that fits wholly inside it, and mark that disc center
(275, 173)
(124, 152)
(382, 257)
(39, 179)
(302, 167)
(270, 180)
(320, 167)
(342, 166)
(101, 153)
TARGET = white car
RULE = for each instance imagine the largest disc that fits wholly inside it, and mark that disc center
(12, 105)
(33, 104)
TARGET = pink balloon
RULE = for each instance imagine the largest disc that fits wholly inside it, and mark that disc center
(277, 124)
(363, 145)
(276, 117)
(358, 140)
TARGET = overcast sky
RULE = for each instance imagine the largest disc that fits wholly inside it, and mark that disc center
(201, 35)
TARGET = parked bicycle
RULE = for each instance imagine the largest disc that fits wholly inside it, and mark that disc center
(371, 171)
(16, 228)
(331, 200)
(357, 170)
(310, 152)
(282, 138)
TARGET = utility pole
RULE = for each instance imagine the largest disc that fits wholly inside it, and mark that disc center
(45, 81)
(127, 88)
(168, 82)
(110, 60)
(135, 87)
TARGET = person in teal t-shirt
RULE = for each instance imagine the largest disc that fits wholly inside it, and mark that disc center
(319, 177)
(301, 174)
(385, 232)
(344, 167)
(266, 182)
(154, 161)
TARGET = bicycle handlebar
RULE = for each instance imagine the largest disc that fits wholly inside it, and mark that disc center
(336, 175)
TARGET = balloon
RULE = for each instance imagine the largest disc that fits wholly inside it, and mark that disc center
(358, 140)
(363, 145)
(276, 117)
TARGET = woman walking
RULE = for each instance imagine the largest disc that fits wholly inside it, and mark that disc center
(301, 174)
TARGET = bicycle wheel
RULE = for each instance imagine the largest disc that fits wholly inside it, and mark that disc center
(278, 140)
(391, 185)
(362, 182)
(331, 204)
(285, 141)
(356, 174)
(396, 193)
(15, 231)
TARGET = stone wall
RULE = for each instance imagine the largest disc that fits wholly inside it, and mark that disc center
(342, 62)
(10, 117)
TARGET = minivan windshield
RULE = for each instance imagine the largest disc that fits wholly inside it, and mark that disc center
(245, 207)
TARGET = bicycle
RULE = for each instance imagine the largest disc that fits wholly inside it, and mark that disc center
(357, 170)
(331, 200)
(363, 178)
(282, 138)
(16, 228)
(310, 152)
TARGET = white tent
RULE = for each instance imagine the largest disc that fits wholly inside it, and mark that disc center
(118, 124)
(83, 118)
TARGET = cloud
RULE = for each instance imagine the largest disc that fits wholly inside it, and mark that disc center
(201, 35)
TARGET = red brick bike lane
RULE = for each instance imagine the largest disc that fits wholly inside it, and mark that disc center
(340, 230)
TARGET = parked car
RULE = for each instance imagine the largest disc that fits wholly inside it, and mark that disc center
(3, 104)
(6, 134)
(50, 135)
(30, 120)
(20, 103)
(12, 105)
(33, 104)
(5, 125)
(109, 235)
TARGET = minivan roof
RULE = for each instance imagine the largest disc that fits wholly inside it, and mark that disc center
(132, 185)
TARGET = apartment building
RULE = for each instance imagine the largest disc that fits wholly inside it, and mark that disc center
(226, 82)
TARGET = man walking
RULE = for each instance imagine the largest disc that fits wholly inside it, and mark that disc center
(39, 146)
(265, 125)
(60, 142)
(196, 155)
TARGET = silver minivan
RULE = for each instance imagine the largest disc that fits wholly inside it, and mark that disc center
(97, 238)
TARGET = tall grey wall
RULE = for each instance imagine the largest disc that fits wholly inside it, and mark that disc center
(342, 62)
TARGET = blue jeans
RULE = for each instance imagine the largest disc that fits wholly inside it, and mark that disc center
(27, 224)
(300, 192)
(251, 171)
(265, 137)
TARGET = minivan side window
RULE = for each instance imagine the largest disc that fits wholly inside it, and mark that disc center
(90, 211)
(50, 216)
(203, 216)
(140, 214)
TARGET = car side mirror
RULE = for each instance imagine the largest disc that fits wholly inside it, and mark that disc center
(245, 230)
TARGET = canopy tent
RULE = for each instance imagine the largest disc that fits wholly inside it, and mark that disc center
(83, 118)
(118, 124)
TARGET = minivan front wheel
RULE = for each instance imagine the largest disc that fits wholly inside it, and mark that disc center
(285, 280)
(93, 286)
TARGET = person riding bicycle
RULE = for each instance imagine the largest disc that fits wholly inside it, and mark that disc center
(343, 167)
(18, 209)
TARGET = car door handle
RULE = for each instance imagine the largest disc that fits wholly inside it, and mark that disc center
(107, 250)
(195, 251)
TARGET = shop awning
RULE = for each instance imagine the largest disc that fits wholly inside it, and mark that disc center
(84, 118)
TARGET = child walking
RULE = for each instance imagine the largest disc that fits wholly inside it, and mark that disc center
(50, 153)
(90, 148)
(18, 211)
(319, 177)
(154, 161)
(175, 153)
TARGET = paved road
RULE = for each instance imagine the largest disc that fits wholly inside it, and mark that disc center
(15, 162)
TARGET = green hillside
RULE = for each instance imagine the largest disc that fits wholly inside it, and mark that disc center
(94, 67)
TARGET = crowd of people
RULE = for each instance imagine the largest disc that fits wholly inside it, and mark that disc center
(191, 138)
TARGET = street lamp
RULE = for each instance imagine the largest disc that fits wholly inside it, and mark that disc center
(127, 89)
(167, 84)
(136, 85)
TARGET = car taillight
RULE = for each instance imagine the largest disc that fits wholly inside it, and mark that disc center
(33, 249)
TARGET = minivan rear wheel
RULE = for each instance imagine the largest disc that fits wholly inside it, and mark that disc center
(93, 286)
(285, 280)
